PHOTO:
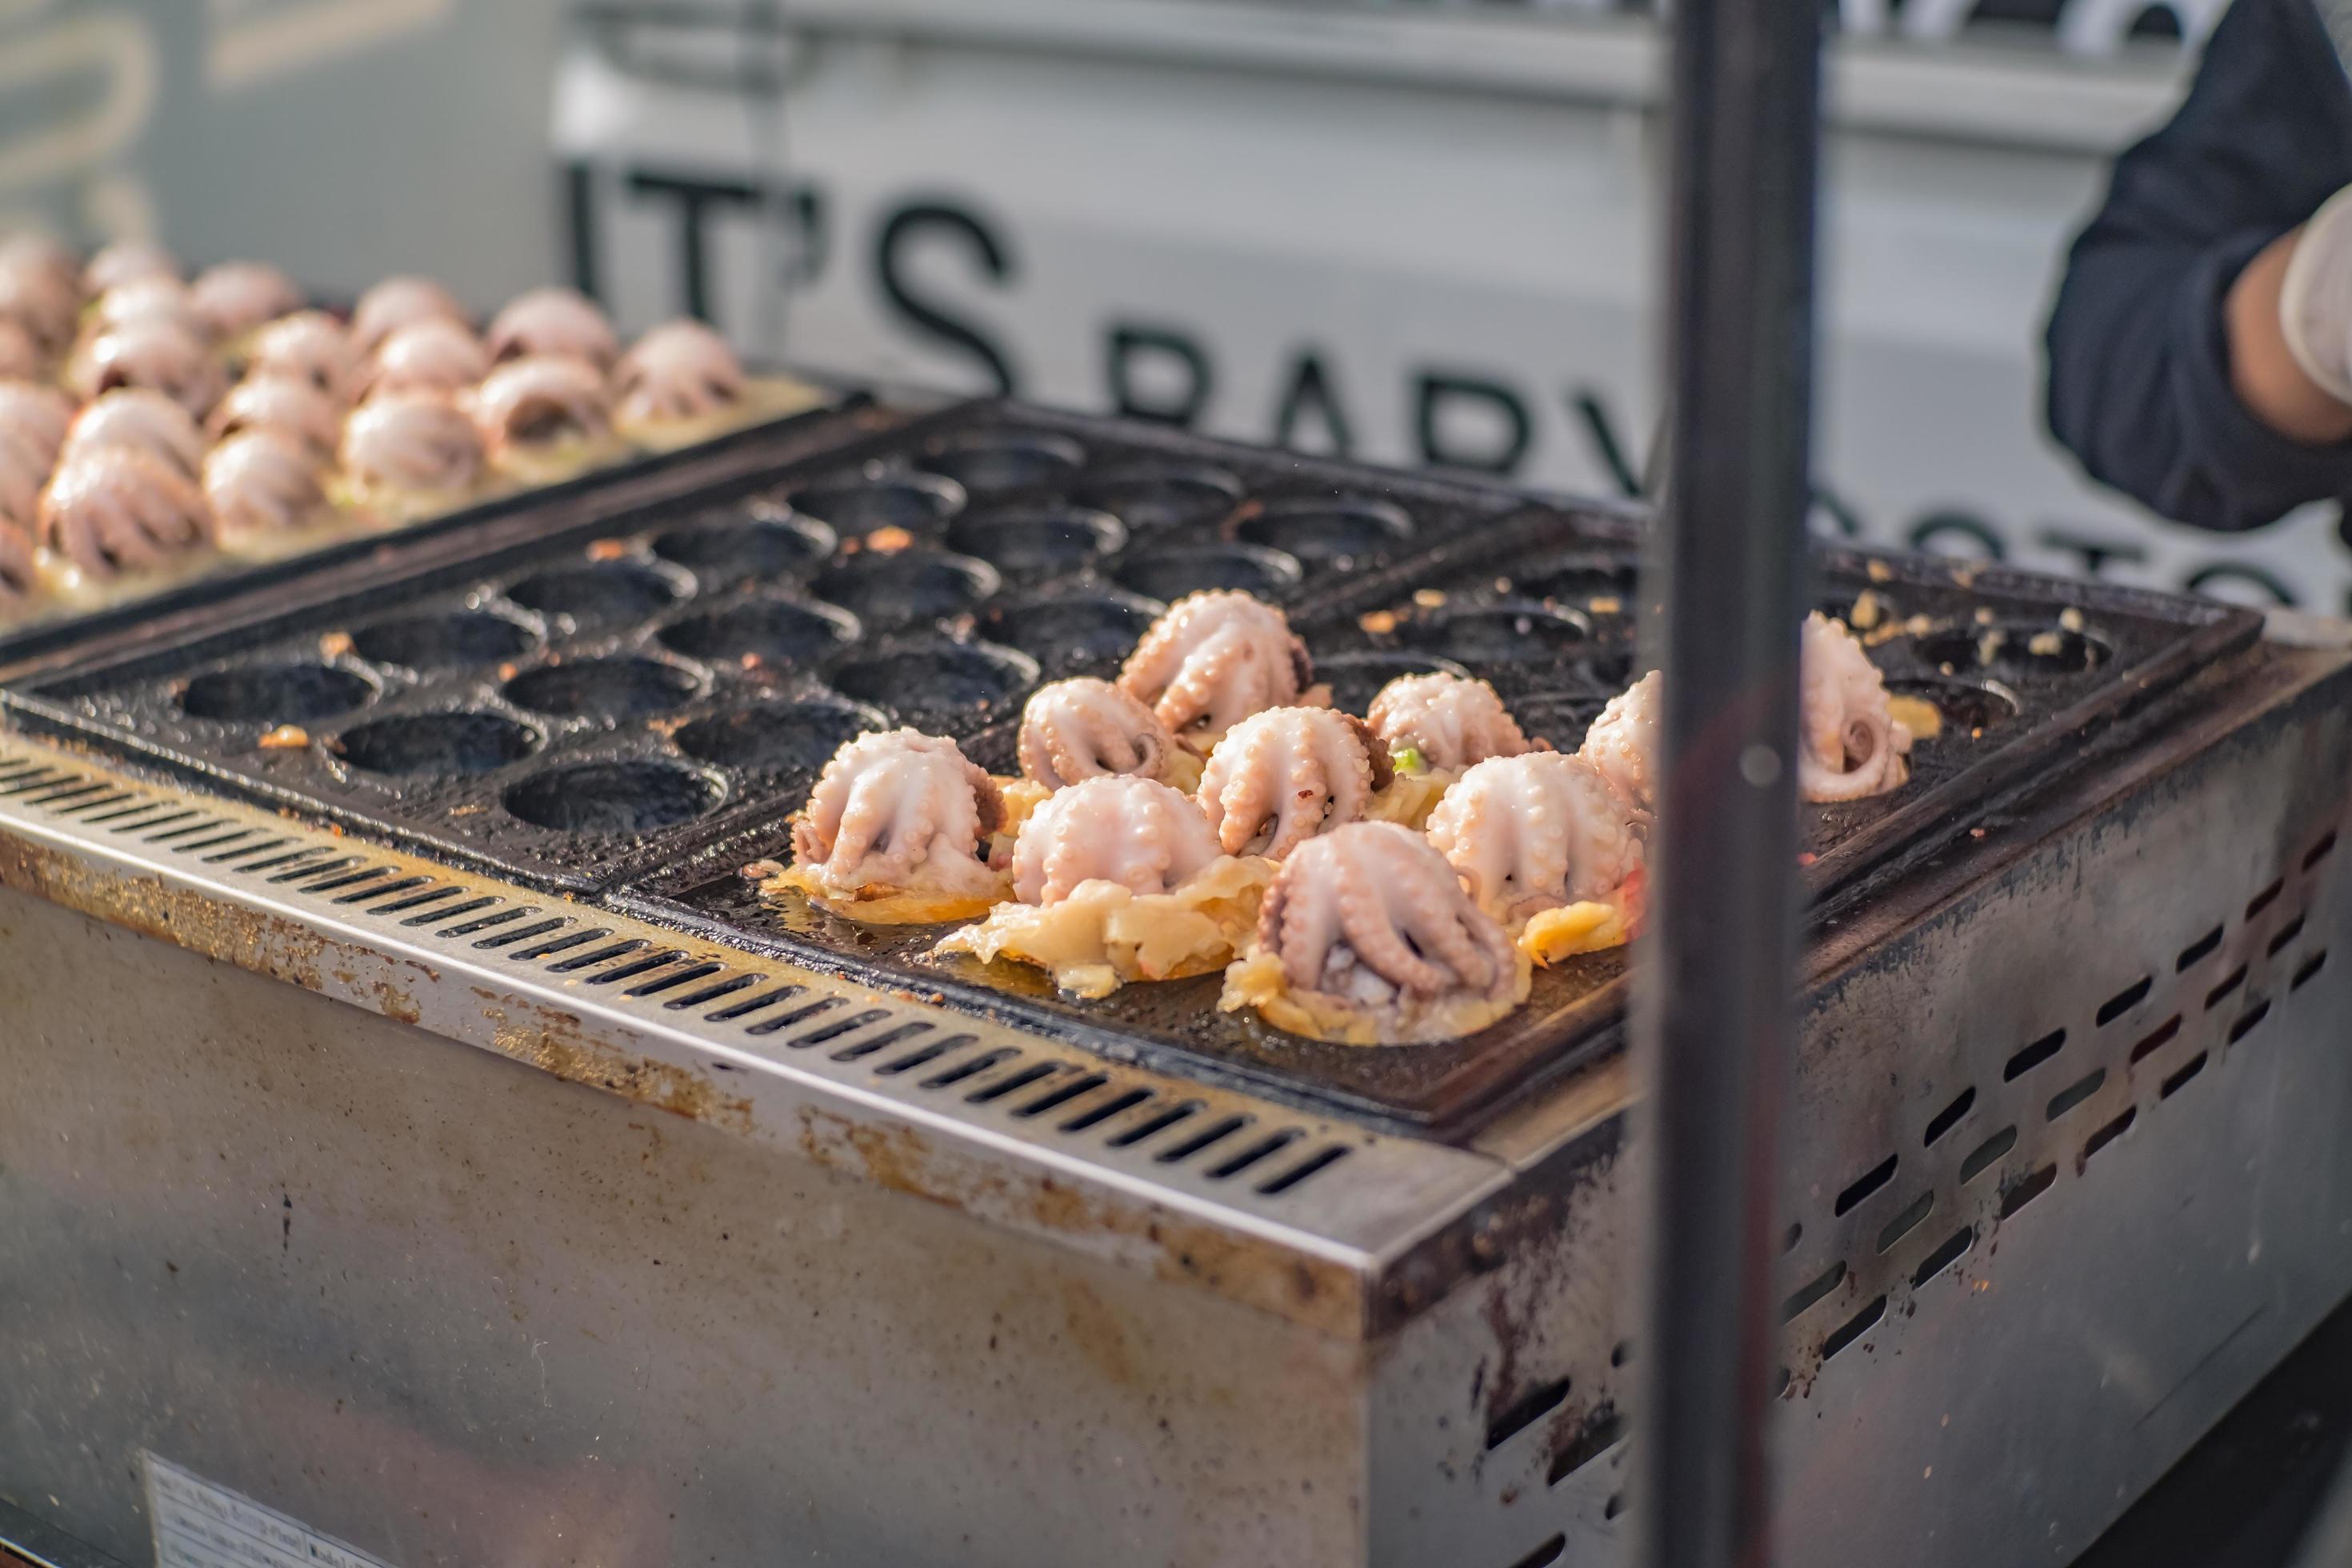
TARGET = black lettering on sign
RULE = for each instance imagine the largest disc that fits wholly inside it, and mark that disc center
(580, 222)
(1957, 533)
(1590, 411)
(1310, 394)
(807, 223)
(2214, 580)
(1158, 374)
(900, 233)
(1830, 515)
(695, 196)
(2095, 553)
(1477, 398)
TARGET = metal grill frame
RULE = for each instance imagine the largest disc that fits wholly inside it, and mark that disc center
(1462, 1305)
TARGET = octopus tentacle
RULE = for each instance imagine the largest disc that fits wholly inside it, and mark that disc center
(1535, 832)
(1451, 721)
(1850, 745)
(1213, 659)
(1282, 776)
(1136, 832)
(899, 811)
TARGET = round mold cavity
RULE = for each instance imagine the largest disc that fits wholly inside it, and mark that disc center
(602, 593)
(991, 465)
(1163, 495)
(762, 632)
(603, 688)
(2012, 650)
(613, 797)
(918, 503)
(1967, 706)
(1169, 574)
(796, 737)
(276, 693)
(748, 545)
(1355, 679)
(907, 585)
(1040, 539)
(443, 642)
(1560, 719)
(1077, 626)
(440, 743)
(1506, 633)
(1581, 578)
(1336, 532)
(943, 677)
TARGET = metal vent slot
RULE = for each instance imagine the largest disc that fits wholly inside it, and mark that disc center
(988, 1093)
(2075, 1093)
(1866, 1183)
(486, 923)
(1602, 1430)
(1525, 1412)
(797, 1016)
(2248, 1020)
(1094, 1115)
(867, 1047)
(1987, 1155)
(1061, 1094)
(433, 897)
(2157, 1041)
(2179, 1079)
(1949, 1117)
(2109, 1133)
(635, 967)
(1904, 1224)
(920, 1057)
(1544, 1555)
(1322, 1159)
(553, 945)
(670, 982)
(1182, 1110)
(749, 1006)
(2221, 994)
(2032, 1055)
(2311, 966)
(442, 917)
(1236, 1164)
(693, 999)
(2286, 933)
(1854, 1328)
(2025, 1189)
(498, 939)
(2124, 1001)
(1803, 1300)
(1615, 1506)
(605, 954)
(1955, 1248)
(2264, 899)
(838, 1027)
(1208, 1137)
(2321, 850)
(368, 895)
(949, 1077)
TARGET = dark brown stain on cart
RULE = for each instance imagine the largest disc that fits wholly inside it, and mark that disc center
(555, 1042)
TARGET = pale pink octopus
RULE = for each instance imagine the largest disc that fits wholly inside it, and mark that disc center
(398, 302)
(235, 296)
(147, 300)
(127, 261)
(899, 811)
(19, 571)
(262, 481)
(541, 401)
(38, 415)
(1280, 777)
(286, 404)
(43, 255)
(1622, 743)
(152, 353)
(1215, 659)
(1451, 721)
(23, 472)
(40, 295)
(553, 322)
(21, 358)
(1136, 832)
(118, 509)
(139, 419)
(1082, 728)
(432, 355)
(1370, 917)
(679, 370)
(1535, 832)
(1849, 745)
(311, 345)
(412, 442)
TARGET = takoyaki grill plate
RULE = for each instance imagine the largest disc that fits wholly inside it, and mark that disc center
(602, 691)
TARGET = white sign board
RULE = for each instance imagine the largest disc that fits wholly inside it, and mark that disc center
(201, 1525)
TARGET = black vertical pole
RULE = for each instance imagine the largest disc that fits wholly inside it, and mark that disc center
(1728, 565)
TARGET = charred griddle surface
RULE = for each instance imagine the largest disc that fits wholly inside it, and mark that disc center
(633, 709)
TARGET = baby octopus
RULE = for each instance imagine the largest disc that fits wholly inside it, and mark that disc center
(679, 370)
(154, 353)
(398, 302)
(541, 406)
(1623, 742)
(262, 481)
(312, 346)
(1083, 729)
(119, 508)
(21, 358)
(1367, 937)
(37, 416)
(1542, 843)
(553, 322)
(413, 446)
(1116, 879)
(1213, 659)
(23, 472)
(235, 296)
(432, 355)
(896, 832)
(286, 404)
(1849, 746)
(139, 419)
(1282, 776)
(19, 581)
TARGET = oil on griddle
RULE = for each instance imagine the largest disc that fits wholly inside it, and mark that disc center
(637, 711)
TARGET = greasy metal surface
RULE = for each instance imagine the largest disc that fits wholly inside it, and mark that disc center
(50, 639)
(438, 1305)
(1180, 1181)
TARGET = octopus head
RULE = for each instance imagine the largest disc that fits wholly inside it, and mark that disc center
(679, 370)
(1280, 777)
(1850, 744)
(1535, 832)
(899, 811)
(1215, 659)
(1370, 914)
(1083, 729)
(553, 322)
(1451, 721)
(1136, 832)
(1622, 743)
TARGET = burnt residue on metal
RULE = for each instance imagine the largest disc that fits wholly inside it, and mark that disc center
(614, 696)
(635, 708)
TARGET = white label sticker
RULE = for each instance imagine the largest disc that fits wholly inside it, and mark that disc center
(201, 1525)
